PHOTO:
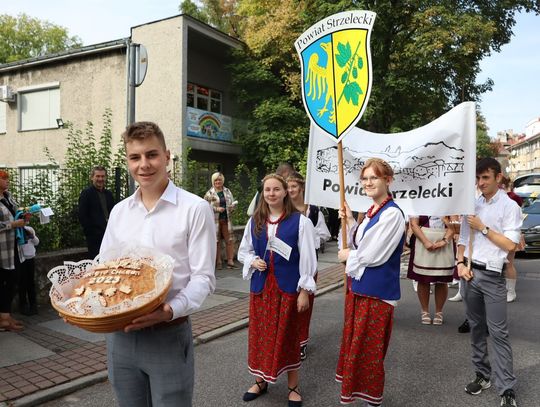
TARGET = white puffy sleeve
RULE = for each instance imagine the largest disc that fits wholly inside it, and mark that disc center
(246, 252)
(377, 244)
(308, 258)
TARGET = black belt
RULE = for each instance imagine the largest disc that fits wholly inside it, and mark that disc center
(161, 325)
(480, 266)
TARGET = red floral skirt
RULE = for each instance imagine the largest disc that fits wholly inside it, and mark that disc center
(274, 336)
(366, 335)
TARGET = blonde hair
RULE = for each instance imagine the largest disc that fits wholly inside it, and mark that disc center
(217, 175)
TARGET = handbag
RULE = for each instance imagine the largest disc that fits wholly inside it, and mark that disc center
(440, 262)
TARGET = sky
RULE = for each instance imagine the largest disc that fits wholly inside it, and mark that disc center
(514, 101)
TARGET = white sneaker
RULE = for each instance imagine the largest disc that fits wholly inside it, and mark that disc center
(456, 298)
(454, 284)
(511, 296)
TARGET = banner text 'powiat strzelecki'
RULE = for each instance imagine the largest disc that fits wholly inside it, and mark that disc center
(434, 165)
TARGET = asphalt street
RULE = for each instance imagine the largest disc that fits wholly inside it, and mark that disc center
(426, 365)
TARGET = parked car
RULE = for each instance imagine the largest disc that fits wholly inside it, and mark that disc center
(528, 198)
(531, 227)
(527, 183)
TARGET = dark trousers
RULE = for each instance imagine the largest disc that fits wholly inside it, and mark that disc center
(27, 285)
(7, 286)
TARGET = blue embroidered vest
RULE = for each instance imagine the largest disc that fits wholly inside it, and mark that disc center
(287, 273)
(381, 281)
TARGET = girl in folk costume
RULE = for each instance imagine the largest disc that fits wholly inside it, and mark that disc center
(296, 188)
(373, 266)
(278, 252)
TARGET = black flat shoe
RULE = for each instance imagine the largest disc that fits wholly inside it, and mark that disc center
(293, 403)
(252, 396)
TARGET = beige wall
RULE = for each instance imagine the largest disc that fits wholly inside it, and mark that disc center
(87, 86)
(159, 98)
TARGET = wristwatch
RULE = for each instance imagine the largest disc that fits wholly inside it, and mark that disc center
(485, 231)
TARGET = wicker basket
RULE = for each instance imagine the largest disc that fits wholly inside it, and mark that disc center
(111, 323)
(115, 318)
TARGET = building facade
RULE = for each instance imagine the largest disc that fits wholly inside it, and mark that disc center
(523, 149)
(187, 91)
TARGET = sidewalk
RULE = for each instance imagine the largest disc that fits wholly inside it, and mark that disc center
(50, 358)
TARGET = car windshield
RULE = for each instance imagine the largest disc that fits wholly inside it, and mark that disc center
(533, 208)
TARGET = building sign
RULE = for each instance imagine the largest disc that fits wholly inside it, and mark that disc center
(208, 125)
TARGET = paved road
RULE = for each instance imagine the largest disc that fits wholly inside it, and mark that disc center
(426, 365)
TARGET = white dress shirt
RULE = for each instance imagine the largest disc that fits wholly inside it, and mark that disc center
(306, 248)
(322, 234)
(377, 244)
(180, 225)
(502, 215)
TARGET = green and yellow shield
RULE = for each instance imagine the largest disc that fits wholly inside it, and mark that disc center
(336, 70)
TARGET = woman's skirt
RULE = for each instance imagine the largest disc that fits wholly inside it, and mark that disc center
(274, 334)
(425, 274)
(366, 336)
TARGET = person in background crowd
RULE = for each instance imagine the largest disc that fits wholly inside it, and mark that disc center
(10, 255)
(493, 231)
(296, 188)
(372, 267)
(95, 205)
(511, 272)
(151, 362)
(223, 204)
(432, 261)
(284, 170)
(278, 253)
(27, 284)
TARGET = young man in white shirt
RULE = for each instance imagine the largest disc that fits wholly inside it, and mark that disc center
(151, 361)
(496, 227)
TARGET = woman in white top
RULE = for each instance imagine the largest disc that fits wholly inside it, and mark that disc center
(296, 188)
(278, 253)
(373, 267)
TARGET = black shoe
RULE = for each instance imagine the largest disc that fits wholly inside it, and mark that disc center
(303, 352)
(464, 327)
(508, 399)
(252, 396)
(293, 403)
(478, 385)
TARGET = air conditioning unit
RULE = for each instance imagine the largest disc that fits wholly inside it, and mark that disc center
(6, 93)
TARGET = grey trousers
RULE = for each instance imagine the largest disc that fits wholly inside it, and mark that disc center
(152, 367)
(485, 301)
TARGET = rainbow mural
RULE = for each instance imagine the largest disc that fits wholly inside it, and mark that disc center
(212, 126)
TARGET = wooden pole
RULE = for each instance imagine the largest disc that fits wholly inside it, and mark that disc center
(342, 205)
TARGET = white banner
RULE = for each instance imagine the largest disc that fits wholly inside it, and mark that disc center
(434, 165)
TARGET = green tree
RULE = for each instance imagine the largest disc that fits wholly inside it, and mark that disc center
(24, 37)
(485, 147)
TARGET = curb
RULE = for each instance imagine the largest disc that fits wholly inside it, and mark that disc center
(63, 389)
(55, 392)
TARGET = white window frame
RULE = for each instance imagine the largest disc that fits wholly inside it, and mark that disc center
(52, 115)
(213, 95)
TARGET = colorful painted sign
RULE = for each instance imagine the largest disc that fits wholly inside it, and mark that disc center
(336, 70)
(208, 125)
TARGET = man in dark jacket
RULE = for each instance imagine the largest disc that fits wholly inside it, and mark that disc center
(95, 204)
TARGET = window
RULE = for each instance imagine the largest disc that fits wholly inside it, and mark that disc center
(39, 107)
(3, 116)
(203, 98)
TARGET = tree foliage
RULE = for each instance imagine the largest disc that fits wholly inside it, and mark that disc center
(425, 59)
(24, 37)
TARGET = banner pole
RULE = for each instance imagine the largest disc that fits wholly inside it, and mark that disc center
(342, 205)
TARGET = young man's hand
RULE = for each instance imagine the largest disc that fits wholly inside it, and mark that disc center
(464, 272)
(162, 314)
